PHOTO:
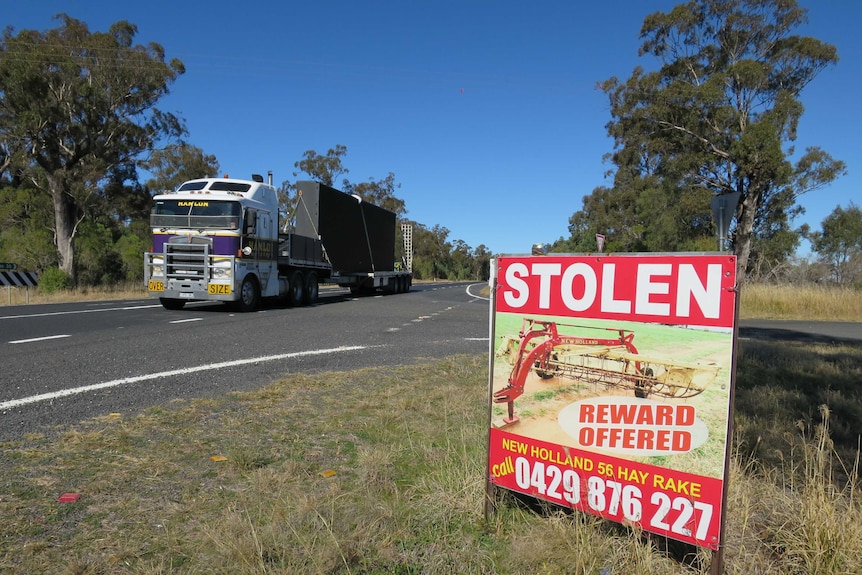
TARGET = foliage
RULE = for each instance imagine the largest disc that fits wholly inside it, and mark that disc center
(324, 169)
(77, 106)
(177, 163)
(379, 192)
(839, 244)
(53, 280)
(717, 117)
(25, 229)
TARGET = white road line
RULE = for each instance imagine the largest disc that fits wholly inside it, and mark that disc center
(212, 366)
(79, 311)
(187, 320)
(39, 338)
(482, 285)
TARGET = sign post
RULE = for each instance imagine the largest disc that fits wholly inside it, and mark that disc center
(723, 210)
(610, 387)
(8, 267)
(600, 242)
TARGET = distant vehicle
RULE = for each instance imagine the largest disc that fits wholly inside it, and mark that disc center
(218, 239)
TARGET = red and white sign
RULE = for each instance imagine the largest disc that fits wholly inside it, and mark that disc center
(688, 290)
(611, 386)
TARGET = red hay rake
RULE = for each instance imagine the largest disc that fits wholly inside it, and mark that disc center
(610, 360)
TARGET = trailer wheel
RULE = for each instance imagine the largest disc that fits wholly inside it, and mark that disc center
(249, 295)
(169, 303)
(311, 289)
(297, 289)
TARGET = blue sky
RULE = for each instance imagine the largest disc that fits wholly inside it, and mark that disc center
(485, 110)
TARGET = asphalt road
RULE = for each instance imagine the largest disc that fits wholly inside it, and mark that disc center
(62, 363)
(803, 331)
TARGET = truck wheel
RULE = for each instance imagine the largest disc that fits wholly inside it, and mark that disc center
(169, 303)
(297, 289)
(249, 295)
(311, 289)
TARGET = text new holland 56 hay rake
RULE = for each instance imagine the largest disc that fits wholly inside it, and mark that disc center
(612, 361)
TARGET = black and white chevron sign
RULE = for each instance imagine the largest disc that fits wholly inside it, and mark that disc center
(28, 279)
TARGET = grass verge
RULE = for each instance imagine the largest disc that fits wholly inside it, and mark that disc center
(814, 302)
(380, 471)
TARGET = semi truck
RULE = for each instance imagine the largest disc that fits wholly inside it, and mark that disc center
(220, 239)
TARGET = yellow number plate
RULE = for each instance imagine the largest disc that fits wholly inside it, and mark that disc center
(156, 285)
(218, 289)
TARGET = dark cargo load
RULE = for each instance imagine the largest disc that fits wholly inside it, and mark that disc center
(357, 236)
(300, 247)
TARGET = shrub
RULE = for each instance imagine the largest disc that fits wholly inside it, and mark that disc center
(53, 280)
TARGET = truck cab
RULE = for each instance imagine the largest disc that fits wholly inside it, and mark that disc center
(214, 239)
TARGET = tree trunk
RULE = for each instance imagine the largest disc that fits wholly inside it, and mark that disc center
(744, 231)
(65, 224)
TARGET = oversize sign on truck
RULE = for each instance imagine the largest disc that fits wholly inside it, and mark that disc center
(611, 386)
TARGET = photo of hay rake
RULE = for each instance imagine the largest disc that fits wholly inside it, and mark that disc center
(610, 358)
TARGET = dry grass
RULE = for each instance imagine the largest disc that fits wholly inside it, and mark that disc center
(808, 301)
(23, 296)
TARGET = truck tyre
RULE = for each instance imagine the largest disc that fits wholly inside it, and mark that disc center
(311, 288)
(249, 295)
(296, 290)
(169, 303)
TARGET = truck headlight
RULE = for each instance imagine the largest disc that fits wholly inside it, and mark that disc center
(222, 271)
(157, 268)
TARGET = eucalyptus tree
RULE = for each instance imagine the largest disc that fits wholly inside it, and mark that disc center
(176, 163)
(325, 169)
(380, 193)
(719, 115)
(839, 243)
(76, 105)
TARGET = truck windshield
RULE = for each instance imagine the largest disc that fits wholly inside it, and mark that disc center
(196, 214)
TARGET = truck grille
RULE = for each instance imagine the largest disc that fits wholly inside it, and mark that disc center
(187, 261)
